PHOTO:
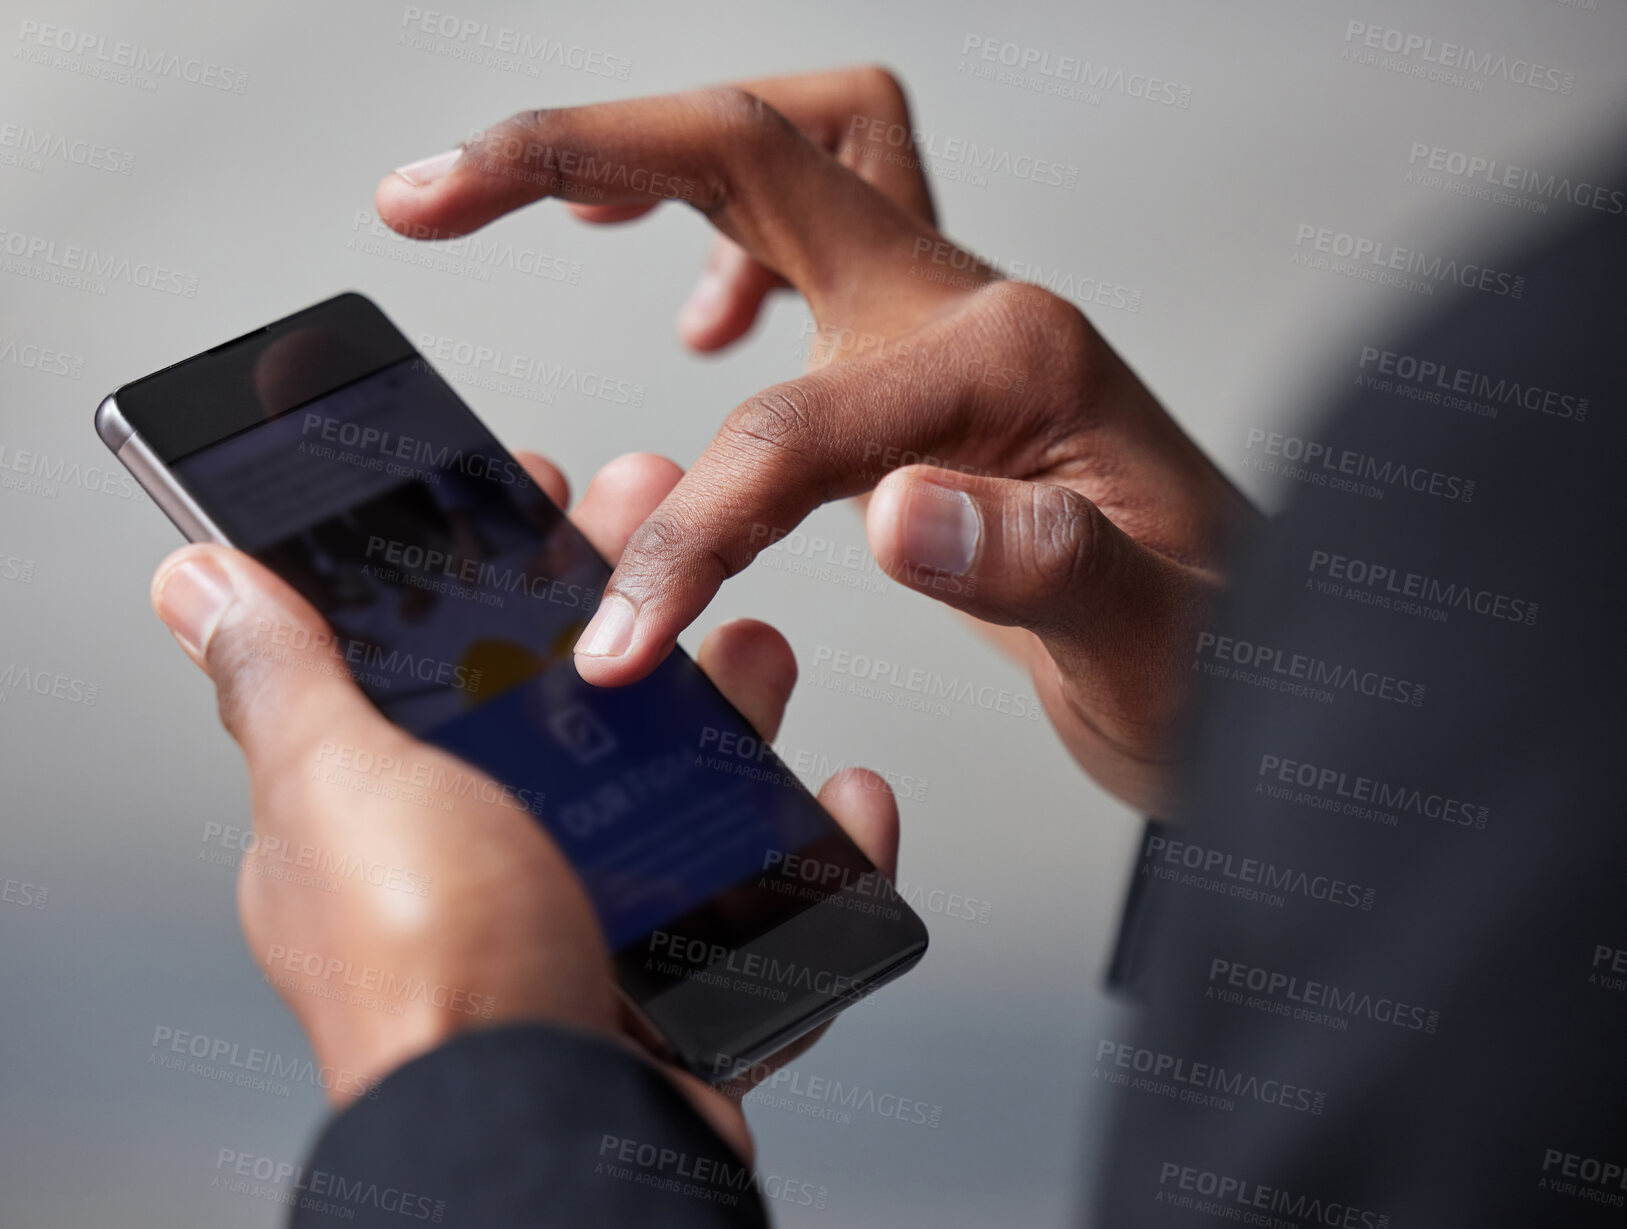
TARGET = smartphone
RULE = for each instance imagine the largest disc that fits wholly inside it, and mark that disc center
(738, 913)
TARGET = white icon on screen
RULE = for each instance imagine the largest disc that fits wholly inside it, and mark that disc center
(581, 733)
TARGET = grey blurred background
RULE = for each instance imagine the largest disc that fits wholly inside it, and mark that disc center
(1177, 236)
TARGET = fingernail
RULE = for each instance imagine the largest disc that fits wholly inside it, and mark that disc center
(941, 528)
(704, 302)
(192, 598)
(426, 171)
(610, 630)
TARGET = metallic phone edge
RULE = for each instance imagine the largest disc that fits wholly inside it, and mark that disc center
(152, 475)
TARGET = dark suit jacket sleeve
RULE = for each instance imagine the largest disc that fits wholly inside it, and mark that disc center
(524, 1126)
(1381, 950)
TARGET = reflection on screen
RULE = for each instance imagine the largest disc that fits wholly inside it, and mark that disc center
(457, 591)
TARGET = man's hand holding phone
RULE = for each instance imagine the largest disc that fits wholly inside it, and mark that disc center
(1058, 505)
(395, 912)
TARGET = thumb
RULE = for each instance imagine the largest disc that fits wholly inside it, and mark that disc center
(1111, 611)
(281, 682)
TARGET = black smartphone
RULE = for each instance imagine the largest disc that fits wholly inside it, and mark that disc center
(739, 914)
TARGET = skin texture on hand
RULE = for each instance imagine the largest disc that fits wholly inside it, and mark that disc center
(1056, 498)
(432, 902)
(1021, 474)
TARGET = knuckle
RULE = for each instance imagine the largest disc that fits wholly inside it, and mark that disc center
(779, 420)
(731, 105)
(271, 687)
(520, 141)
(743, 126)
(765, 453)
(1036, 314)
(655, 546)
(532, 122)
(1060, 540)
(241, 672)
(1043, 334)
(529, 148)
(669, 551)
(741, 116)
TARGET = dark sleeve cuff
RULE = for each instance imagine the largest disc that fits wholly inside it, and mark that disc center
(524, 1126)
(1129, 949)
